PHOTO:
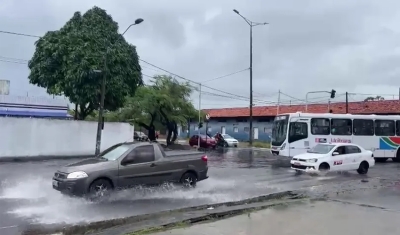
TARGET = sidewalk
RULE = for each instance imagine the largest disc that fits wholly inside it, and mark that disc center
(315, 218)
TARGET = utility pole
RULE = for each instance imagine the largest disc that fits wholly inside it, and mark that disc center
(329, 106)
(100, 122)
(251, 87)
(198, 140)
(101, 110)
(347, 102)
(251, 24)
(279, 101)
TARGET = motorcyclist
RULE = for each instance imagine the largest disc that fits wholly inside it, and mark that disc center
(218, 137)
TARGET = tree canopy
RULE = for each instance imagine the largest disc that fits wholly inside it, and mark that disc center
(165, 101)
(72, 60)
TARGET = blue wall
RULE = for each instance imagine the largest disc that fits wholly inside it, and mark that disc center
(264, 126)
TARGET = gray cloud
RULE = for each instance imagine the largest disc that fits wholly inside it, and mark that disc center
(309, 45)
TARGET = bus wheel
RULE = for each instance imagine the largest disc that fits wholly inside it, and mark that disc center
(381, 159)
(397, 158)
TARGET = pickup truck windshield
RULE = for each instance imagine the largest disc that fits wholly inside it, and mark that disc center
(115, 153)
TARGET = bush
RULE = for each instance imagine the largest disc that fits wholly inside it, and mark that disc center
(260, 144)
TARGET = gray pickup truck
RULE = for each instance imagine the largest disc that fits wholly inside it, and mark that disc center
(128, 165)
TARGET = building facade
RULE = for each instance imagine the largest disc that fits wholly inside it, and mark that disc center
(238, 128)
(235, 121)
(20, 106)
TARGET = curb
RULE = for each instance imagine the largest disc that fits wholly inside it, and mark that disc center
(42, 158)
(97, 227)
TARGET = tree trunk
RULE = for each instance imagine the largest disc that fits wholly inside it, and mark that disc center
(169, 137)
(151, 129)
(151, 132)
(76, 112)
(175, 132)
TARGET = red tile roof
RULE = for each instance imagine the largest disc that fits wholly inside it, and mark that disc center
(363, 107)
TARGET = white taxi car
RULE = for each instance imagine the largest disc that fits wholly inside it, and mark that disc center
(334, 157)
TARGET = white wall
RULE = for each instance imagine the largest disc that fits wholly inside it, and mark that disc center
(29, 137)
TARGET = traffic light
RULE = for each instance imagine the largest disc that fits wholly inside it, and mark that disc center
(333, 93)
(200, 125)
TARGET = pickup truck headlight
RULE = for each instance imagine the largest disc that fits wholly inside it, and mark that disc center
(312, 160)
(77, 175)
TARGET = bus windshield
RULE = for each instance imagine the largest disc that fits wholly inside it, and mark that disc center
(279, 130)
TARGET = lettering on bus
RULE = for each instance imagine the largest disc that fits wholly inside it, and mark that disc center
(320, 140)
(340, 140)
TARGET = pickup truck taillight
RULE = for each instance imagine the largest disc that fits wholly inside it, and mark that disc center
(204, 158)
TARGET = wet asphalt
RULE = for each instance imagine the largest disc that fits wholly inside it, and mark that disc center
(27, 197)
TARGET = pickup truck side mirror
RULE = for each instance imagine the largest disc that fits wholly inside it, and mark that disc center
(335, 153)
(126, 161)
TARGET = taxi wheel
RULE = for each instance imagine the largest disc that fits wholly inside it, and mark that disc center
(324, 167)
(363, 168)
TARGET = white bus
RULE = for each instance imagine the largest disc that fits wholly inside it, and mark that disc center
(295, 133)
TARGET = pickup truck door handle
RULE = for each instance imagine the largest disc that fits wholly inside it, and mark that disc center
(152, 165)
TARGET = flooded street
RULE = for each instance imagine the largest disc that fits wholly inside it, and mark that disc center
(26, 195)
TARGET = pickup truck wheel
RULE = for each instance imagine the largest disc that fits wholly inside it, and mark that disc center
(363, 168)
(99, 189)
(189, 180)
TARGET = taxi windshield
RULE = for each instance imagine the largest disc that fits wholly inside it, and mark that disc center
(321, 148)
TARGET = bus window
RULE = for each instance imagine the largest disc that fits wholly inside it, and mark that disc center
(363, 127)
(320, 126)
(297, 131)
(398, 128)
(384, 128)
(341, 126)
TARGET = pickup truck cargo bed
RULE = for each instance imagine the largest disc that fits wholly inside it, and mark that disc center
(183, 153)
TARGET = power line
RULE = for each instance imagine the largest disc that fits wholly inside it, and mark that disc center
(15, 62)
(19, 34)
(213, 79)
(188, 80)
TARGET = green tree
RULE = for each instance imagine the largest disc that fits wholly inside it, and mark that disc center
(176, 107)
(164, 102)
(67, 62)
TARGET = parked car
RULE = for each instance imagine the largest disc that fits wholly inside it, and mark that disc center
(229, 141)
(127, 165)
(140, 136)
(334, 157)
(205, 141)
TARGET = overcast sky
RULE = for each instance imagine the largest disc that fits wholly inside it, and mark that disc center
(348, 45)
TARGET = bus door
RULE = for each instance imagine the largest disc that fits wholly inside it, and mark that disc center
(298, 141)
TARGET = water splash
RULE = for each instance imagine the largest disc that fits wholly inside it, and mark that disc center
(37, 201)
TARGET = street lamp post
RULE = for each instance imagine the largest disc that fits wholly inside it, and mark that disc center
(103, 93)
(251, 24)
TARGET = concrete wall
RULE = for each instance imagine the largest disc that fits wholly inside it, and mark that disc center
(235, 128)
(29, 137)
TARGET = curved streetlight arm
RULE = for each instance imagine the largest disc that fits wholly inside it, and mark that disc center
(257, 24)
(245, 19)
(137, 21)
(249, 22)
